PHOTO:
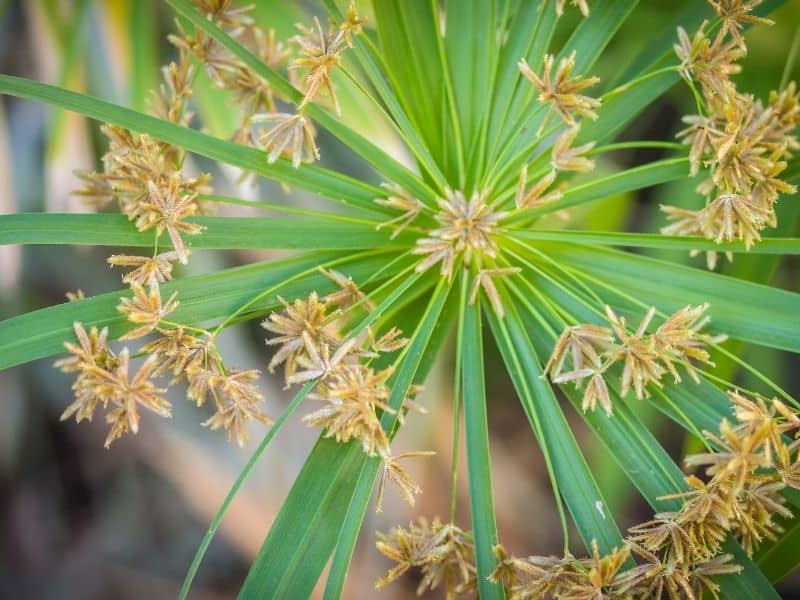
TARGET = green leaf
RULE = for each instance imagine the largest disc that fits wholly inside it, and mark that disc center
(476, 431)
(42, 332)
(329, 184)
(369, 60)
(143, 53)
(409, 43)
(221, 233)
(530, 34)
(575, 482)
(307, 526)
(470, 32)
(649, 240)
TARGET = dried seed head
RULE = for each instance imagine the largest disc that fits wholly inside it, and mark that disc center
(321, 54)
(483, 280)
(167, 207)
(92, 350)
(351, 394)
(444, 553)
(729, 217)
(348, 294)
(709, 63)
(75, 296)
(735, 14)
(581, 4)
(391, 341)
(592, 350)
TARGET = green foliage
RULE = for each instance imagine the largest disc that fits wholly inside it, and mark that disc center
(448, 87)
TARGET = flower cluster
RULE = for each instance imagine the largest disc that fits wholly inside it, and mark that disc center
(312, 345)
(593, 349)
(680, 552)
(293, 134)
(286, 134)
(465, 232)
(103, 380)
(146, 179)
(443, 552)
(742, 143)
(561, 93)
(252, 93)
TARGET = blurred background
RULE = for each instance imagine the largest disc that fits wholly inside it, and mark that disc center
(79, 521)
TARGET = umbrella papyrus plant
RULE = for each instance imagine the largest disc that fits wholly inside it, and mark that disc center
(497, 121)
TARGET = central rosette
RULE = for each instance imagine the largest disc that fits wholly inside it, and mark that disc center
(466, 231)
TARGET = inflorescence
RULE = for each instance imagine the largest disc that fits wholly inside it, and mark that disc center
(741, 144)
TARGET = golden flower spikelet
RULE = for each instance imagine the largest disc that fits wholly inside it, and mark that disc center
(170, 101)
(310, 316)
(709, 63)
(92, 350)
(581, 4)
(409, 548)
(586, 347)
(127, 394)
(401, 200)
(148, 269)
(167, 208)
(348, 295)
(566, 158)
(444, 553)
(236, 399)
(145, 309)
(484, 281)
(640, 357)
(537, 195)
(735, 14)
(318, 361)
(291, 135)
(351, 395)
(561, 91)
(679, 338)
(320, 54)
(91, 355)
(391, 470)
